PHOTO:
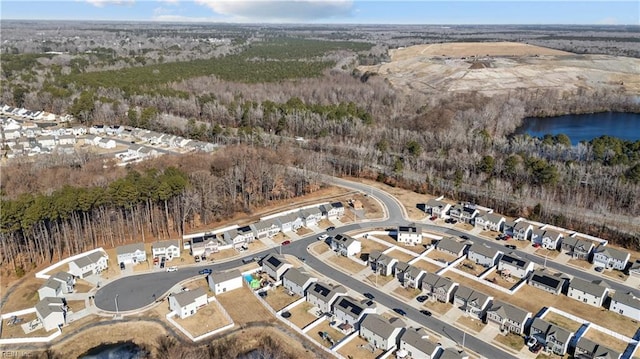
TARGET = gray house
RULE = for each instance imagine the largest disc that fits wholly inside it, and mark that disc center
(52, 312)
(514, 265)
(438, 287)
(266, 228)
(66, 279)
(131, 253)
(409, 275)
(297, 281)
(592, 293)
(50, 288)
(323, 295)
(471, 301)
(554, 338)
(436, 208)
(380, 332)
(510, 318)
(349, 312)
(587, 349)
(521, 230)
(483, 255)
(610, 258)
(416, 344)
(382, 263)
(490, 221)
(577, 248)
(554, 283)
(275, 265)
(452, 246)
(345, 245)
(290, 222)
(464, 212)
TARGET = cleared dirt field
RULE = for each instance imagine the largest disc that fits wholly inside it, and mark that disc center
(358, 348)
(473, 49)
(470, 323)
(427, 266)
(401, 256)
(207, 318)
(606, 340)
(335, 334)
(346, 264)
(279, 298)
(300, 315)
(244, 307)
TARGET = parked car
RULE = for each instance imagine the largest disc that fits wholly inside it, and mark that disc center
(532, 341)
(172, 269)
(322, 237)
(422, 298)
(433, 218)
(331, 228)
(426, 312)
(400, 311)
(536, 348)
(464, 237)
(510, 246)
(197, 259)
(248, 260)
(122, 266)
(599, 269)
(285, 243)
(205, 271)
(536, 245)
(369, 295)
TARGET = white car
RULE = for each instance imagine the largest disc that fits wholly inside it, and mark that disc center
(172, 269)
(323, 237)
(531, 342)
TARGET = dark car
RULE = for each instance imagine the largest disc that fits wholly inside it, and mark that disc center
(400, 311)
(464, 237)
(426, 312)
(122, 265)
(286, 243)
(205, 271)
(332, 228)
(422, 298)
(536, 348)
(510, 246)
(369, 295)
(599, 269)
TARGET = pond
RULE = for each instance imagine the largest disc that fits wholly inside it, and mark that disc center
(585, 127)
(120, 350)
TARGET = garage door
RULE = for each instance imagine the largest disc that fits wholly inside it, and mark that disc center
(86, 274)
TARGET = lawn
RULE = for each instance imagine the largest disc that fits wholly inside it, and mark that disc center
(580, 263)
(142, 266)
(550, 254)
(335, 334)
(244, 307)
(303, 231)
(611, 342)
(256, 246)
(346, 264)
(82, 286)
(441, 256)
(223, 254)
(407, 293)
(471, 323)
(279, 298)
(359, 348)
(615, 274)
(199, 283)
(401, 256)
(300, 315)
(510, 340)
(369, 245)
(562, 321)
(15, 330)
(437, 306)
(467, 265)
(206, 319)
(75, 305)
(463, 226)
(319, 248)
(427, 266)
(24, 296)
(279, 238)
(504, 282)
(379, 280)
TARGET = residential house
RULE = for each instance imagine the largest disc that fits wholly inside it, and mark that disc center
(67, 280)
(592, 293)
(275, 265)
(311, 216)
(11, 134)
(416, 344)
(222, 282)
(323, 295)
(97, 129)
(554, 338)
(551, 239)
(51, 288)
(553, 283)
(438, 287)
(522, 231)
(265, 228)
(409, 235)
(471, 301)
(634, 270)
(610, 258)
(52, 312)
(47, 141)
(107, 143)
(205, 245)
(490, 221)
(239, 237)
(436, 207)
(453, 353)
(131, 253)
(510, 318)
(382, 263)
(513, 265)
(90, 264)
(333, 210)
(587, 349)
(412, 277)
(577, 248)
(381, 332)
(92, 140)
(349, 312)
(67, 140)
(345, 245)
(297, 281)
(186, 304)
(452, 246)
(626, 303)
(290, 222)
(483, 255)
(169, 249)
(464, 212)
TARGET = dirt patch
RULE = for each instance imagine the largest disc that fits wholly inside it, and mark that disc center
(610, 342)
(471, 267)
(371, 207)
(326, 329)
(300, 315)
(206, 319)
(75, 305)
(346, 264)
(401, 256)
(427, 266)
(82, 286)
(472, 49)
(359, 348)
(441, 256)
(279, 298)
(244, 307)
(471, 323)
(562, 321)
(510, 340)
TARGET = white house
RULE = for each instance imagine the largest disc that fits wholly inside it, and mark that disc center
(345, 245)
(186, 304)
(551, 239)
(626, 303)
(66, 140)
(522, 230)
(265, 229)
(554, 338)
(67, 280)
(510, 318)
(90, 264)
(490, 221)
(204, 245)
(381, 332)
(438, 287)
(131, 253)
(297, 281)
(333, 210)
(592, 293)
(514, 265)
(349, 312)
(290, 222)
(52, 312)
(47, 141)
(436, 207)
(415, 343)
(311, 216)
(107, 143)
(471, 301)
(221, 282)
(483, 255)
(275, 265)
(51, 288)
(610, 258)
(168, 248)
(323, 295)
(409, 235)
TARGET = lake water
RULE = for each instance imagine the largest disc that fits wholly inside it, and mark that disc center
(625, 126)
(122, 350)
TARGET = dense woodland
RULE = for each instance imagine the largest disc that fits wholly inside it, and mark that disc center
(255, 97)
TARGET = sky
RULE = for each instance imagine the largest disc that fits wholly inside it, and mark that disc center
(626, 12)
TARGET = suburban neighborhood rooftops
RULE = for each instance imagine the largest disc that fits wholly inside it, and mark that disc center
(493, 217)
(53, 284)
(353, 307)
(380, 258)
(450, 244)
(506, 310)
(627, 298)
(472, 297)
(551, 280)
(484, 250)
(408, 229)
(130, 248)
(265, 224)
(414, 271)
(296, 276)
(337, 205)
(325, 291)
(219, 277)
(343, 239)
(63, 276)
(380, 325)
(453, 353)
(402, 266)
(89, 259)
(49, 305)
(596, 288)
(521, 225)
(436, 281)
(547, 328)
(188, 297)
(274, 261)
(435, 203)
(166, 243)
(597, 350)
(613, 253)
(515, 260)
(417, 338)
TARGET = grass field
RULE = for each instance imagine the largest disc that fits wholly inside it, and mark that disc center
(357, 348)
(300, 315)
(510, 340)
(207, 318)
(278, 298)
(237, 302)
(562, 321)
(346, 264)
(427, 266)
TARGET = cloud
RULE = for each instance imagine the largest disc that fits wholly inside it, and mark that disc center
(170, 2)
(608, 21)
(280, 11)
(102, 3)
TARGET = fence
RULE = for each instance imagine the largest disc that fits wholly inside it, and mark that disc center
(214, 231)
(591, 325)
(42, 274)
(284, 213)
(344, 341)
(31, 340)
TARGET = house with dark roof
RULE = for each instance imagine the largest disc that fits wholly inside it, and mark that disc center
(483, 255)
(382, 263)
(290, 222)
(323, 295)
(554, 283)
(464, 212)
(626, 303)
(514, 265)
(67, 279)
(131, 253)
(265, 229)
(510, 318)
(438, 287)
(52, 312)
(610, 258)
(381, 332)
(275, 265)
(349, 311)
(169, 249)
(593, 293)
(577, 248)
(435, 207)
(296, 281)
(416, 344)
(490, 221)
(634, 270)
(471, 301)
(554, 338)
(206, 245)
(186, 304)
(90, 264)
(409, 235)
(333, 210)
(222, 282)
(587, 349)
(345, 245)
(452, 246)
(311, 216)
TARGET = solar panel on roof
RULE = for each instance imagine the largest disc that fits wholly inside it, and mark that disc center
(274, 261)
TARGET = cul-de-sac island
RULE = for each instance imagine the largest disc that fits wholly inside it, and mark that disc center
(207, 190)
